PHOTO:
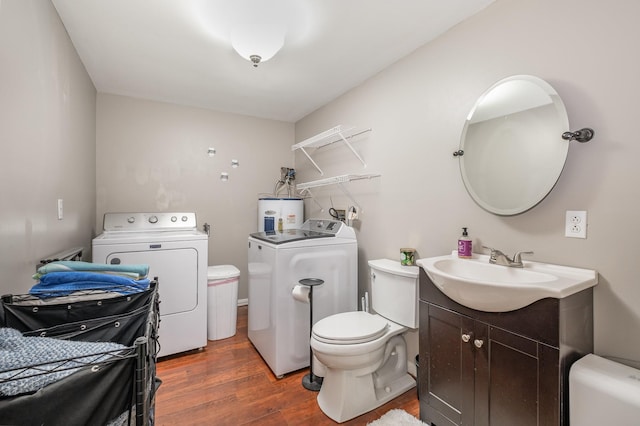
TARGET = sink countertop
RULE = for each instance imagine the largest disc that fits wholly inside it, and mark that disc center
(477, 284)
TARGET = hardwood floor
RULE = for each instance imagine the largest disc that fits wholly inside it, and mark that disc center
(228, 383)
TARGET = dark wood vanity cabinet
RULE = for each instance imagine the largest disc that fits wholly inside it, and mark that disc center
(499, 369)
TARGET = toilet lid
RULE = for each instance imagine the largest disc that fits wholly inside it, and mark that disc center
(350, 328)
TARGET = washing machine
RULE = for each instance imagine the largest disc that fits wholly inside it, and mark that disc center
(176, 252)
(278, 322)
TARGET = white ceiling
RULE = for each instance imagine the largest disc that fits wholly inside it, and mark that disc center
(178, 50)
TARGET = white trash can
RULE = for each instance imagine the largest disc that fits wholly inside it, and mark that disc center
(222, 301)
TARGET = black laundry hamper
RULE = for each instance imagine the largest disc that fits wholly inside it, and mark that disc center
(118, 390)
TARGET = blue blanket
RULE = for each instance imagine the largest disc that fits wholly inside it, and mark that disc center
(132, 271)
(22, 360)
(55, 284)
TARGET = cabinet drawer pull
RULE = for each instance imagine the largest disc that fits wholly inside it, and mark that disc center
(478, 343)
(466, 338)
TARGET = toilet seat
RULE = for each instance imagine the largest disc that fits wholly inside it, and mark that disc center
(349, 328)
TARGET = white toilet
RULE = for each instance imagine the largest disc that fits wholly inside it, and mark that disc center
(364, 356)
(603, 392)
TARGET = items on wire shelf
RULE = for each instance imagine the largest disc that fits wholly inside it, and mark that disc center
(84, 354)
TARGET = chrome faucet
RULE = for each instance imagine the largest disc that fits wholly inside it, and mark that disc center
(499, 258)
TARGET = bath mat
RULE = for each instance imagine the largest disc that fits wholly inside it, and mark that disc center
(397, 417)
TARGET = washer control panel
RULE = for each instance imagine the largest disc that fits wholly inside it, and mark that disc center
(149, 221)
(321, 225)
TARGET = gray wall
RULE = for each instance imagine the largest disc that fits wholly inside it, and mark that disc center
(47, 134)
(152, 156)
(587, 50)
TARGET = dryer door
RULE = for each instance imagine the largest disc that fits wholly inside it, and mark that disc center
(177, 272)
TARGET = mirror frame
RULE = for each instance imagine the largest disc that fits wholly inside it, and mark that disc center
(489, 159)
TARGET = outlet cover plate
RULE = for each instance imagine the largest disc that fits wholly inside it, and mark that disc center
(575, 225)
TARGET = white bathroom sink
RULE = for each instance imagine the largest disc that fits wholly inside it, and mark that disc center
(477, 284)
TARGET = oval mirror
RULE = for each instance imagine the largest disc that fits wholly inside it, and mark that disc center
(513, 151)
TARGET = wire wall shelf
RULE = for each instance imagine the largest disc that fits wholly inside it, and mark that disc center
(336, 134)
(305, 188)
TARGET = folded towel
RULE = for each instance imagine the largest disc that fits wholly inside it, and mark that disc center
(54, 284)
(132, 271)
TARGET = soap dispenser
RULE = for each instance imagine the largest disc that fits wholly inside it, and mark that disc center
(464, 245)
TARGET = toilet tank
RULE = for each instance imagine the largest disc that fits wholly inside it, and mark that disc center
(603, 392)
(394, 291)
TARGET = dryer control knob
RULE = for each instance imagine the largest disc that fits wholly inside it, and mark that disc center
(131, 219)
(173, 218)
(153, 219)
(185, 218)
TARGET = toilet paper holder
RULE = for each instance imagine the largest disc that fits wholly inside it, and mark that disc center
(311, 381)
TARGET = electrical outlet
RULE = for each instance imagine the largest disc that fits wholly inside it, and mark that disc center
(575, 225)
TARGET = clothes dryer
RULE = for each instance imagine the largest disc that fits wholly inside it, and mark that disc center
(176, 252)
(278, 323)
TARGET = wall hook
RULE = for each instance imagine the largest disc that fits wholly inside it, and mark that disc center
(582, 135)
(458, 153)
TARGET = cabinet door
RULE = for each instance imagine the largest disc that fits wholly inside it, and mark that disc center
(474, 374)
(447, 383)
(522, 388)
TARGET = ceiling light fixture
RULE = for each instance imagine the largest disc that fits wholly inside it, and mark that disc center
(259, 32)
(257, 48)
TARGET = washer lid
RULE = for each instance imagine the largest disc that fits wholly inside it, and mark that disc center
(350, 328)
(289, 235)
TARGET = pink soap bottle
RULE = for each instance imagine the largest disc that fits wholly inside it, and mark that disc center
(464, 245)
